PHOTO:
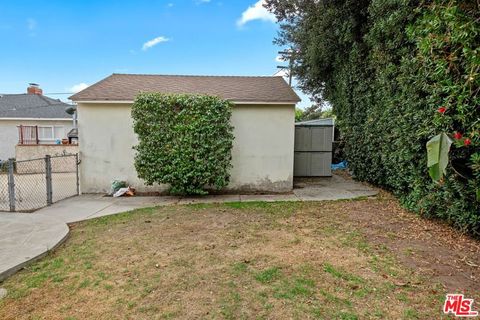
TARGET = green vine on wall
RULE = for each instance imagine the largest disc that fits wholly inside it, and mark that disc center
(184, 141)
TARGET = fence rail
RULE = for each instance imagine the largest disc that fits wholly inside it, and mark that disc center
(29, 185)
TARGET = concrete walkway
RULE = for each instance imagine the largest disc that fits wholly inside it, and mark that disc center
(26, 237)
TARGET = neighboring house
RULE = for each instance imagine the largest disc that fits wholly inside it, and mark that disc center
(263, 118)
(31, 119)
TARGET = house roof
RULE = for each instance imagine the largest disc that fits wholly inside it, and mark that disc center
(32, 106)
(124, 87)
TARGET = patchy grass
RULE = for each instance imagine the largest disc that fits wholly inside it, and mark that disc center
(267, 275)
(253, 260)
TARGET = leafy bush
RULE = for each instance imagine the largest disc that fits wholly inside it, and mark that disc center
(184, 141)
(397, 72)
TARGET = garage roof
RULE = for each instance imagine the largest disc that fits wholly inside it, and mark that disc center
(124, 87)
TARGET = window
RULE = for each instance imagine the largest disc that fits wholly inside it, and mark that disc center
(59, 132)
(45, 133)
(27, 134)
(50, 133)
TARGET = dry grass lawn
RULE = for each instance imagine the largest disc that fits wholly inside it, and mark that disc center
(362, 259)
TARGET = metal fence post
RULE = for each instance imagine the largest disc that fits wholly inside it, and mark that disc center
(77, 175)
(11, 184)
(48, 178)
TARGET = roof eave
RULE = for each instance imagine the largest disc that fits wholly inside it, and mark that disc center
(86, 101)
(33, 119)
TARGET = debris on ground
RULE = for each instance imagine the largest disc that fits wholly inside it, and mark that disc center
(128, 191)
(3, 293)
(117, 185)
(339, 166)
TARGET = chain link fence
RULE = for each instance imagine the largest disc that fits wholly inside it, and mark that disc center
(4, 187)
(29, 185)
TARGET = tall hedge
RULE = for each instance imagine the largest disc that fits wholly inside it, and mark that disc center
(397, 73)
(184, 141)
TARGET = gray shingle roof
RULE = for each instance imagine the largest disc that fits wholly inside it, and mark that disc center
(32, 106)
(124, 87)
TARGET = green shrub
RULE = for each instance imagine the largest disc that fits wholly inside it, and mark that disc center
(184, 141)
(388, 67)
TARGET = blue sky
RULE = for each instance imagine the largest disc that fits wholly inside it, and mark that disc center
(63, 45)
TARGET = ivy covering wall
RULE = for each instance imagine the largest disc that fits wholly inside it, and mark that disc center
(397, 72)
(184, 141)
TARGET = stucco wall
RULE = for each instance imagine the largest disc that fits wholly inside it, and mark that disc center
(9, 133)
(262, 155)
(262, 151)
(59, 164)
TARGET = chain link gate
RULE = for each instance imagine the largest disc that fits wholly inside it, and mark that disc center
(29, 185)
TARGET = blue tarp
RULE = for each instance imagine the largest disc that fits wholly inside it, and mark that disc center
(339, 166)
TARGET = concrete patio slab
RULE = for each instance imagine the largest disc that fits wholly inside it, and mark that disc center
(25, 237)
(127, 204)
(331, 188)
(91, 206)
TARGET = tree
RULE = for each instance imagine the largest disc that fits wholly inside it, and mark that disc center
(316, 111)
(397, 73)
(298, 114)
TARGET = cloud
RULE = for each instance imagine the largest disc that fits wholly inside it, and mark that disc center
(31, 24)
(279, 58)
(151, 43)
(169, 5)
(201, 1)
(256, 12)
(282, 73)
(78, 87)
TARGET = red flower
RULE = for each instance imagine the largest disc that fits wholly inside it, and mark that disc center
(457, 135)
(442, 110)
(467, 142)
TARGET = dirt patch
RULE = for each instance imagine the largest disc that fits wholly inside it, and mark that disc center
(363, 259)
(445, 254)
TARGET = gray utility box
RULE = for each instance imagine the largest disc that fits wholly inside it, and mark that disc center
(313, 148)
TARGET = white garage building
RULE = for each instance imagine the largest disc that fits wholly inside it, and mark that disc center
(263, 118)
